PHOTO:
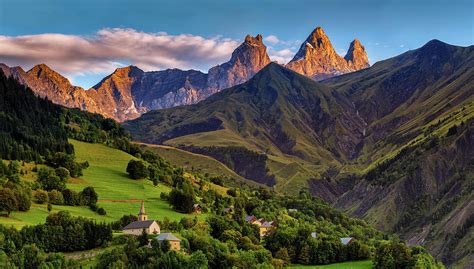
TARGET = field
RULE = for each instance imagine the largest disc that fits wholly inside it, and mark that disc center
(342, 265)
(118, 194)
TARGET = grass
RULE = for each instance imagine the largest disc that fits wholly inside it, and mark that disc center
(118, 194)
(343, 265)
(193, 162)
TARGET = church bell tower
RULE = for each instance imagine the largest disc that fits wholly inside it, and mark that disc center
(142, 216)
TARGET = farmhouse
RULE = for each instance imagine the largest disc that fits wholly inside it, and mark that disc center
(175, 242)
(137, 227)
(265, 227)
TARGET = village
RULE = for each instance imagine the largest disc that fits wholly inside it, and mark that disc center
(152, 227)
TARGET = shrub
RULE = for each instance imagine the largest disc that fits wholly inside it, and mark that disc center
(55, 197)
(41, 196)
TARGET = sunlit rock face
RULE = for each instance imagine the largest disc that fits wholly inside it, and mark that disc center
(318, 59)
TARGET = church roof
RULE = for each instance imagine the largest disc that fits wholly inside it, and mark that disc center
(139, 224)
(167, 237)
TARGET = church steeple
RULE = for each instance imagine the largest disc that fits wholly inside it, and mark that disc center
(142, 216)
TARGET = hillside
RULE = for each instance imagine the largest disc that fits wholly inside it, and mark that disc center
(373, 142)
(278, 113)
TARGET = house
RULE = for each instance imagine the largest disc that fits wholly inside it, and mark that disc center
(197, 208)
(137, 227)
(266, 228)
(314, 235)
(346, 240)
(175, 242)
(228, 210)
(292, 210)
(250, 219)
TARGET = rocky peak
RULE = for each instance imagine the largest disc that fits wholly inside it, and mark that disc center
(318, 59)
(47, 75)
(246, 61)
(356, 56)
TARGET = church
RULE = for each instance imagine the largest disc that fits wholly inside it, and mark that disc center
(136, 227)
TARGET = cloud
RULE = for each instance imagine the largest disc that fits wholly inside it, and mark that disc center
(401, 46)
(273, 39)
(107, 49)
(282, 56)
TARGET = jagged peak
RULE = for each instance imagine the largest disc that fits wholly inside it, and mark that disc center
(258, 39)
(355, 47)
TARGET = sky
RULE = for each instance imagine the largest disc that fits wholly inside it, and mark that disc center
(88, 39)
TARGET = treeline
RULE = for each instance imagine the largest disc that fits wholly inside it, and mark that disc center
(248, 164)
(30, 127)
(60, 233)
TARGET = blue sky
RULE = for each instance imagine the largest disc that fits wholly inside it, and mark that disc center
(385, 28)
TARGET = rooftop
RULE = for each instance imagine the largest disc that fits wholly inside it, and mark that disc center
(139, 224)
(167, 237)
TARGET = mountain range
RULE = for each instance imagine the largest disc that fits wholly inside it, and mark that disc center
(129, 92)
(392, 143)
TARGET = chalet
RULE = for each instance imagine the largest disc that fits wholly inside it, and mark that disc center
(175, 242)
(143, 223)
(197, 208)
(266, 228)
(346, 240)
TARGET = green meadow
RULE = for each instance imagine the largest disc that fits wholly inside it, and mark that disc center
(118, 194)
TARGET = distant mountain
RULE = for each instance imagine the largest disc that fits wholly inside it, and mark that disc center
(392, 143)
(318, 59)
(129, 92)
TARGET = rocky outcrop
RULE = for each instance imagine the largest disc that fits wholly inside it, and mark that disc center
(249, 58)
(318, 59)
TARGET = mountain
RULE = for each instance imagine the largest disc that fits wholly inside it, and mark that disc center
(249, 58)
(419, 144)
(392, 143)
(278, 113)
(318, 59)
(129, 92)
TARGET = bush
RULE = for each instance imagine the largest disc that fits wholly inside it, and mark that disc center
(41, 196)
(101, 211)
(137, 169)
(55, 197)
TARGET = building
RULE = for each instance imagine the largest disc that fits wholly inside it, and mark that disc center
(228, 210)
(143, 223)
(266, 228)
(197, 208)
(314, 235)
(175, 242)
(346, 240)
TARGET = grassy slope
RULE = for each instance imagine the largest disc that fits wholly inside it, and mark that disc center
(118, 194)
(193, 162)
(342, 265)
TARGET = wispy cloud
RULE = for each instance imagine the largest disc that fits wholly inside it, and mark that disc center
(272, 39)
(108, 49)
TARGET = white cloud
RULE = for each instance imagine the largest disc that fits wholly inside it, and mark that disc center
(273, 39)
(402, 46)
(108, 49)
(281, 56)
